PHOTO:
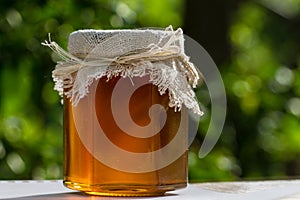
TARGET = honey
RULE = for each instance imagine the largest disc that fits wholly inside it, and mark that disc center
(82, 171)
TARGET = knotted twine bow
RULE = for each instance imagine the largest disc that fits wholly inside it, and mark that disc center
(168, 67)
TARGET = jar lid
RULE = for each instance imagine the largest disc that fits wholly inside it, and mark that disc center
(113, 43)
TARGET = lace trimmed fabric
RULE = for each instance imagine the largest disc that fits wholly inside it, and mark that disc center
(127, 53)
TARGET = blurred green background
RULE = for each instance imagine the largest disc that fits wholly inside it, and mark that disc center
(255, 44)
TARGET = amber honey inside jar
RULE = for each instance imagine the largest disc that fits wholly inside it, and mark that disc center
(82, 171)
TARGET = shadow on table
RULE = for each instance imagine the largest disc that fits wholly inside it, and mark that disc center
(79, 195)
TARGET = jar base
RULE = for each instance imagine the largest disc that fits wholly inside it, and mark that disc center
(124, 190)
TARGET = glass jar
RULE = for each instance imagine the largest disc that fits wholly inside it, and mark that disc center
(126, 94)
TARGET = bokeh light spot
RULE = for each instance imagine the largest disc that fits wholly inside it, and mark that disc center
(14, 18)
(284, 76)
(15, 163)
(293, 106)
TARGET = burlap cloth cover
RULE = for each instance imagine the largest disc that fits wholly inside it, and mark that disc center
(127, 53)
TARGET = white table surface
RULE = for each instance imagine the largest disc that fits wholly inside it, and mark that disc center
(256, 190)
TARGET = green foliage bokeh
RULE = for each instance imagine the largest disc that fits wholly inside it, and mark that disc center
(261, 137)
